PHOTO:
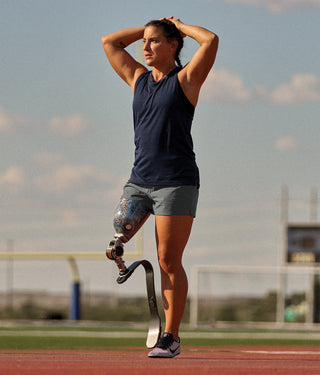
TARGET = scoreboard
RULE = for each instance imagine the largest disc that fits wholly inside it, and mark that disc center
(302, 243)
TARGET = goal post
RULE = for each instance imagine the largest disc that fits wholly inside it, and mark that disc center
(277, 274)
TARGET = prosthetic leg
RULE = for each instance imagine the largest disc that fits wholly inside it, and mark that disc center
(129, 217)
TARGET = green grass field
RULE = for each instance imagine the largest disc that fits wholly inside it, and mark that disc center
(87, 338)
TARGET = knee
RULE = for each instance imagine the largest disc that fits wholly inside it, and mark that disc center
(129, 217)
(169, 264)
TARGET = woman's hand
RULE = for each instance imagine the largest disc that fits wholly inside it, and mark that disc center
(177, 23)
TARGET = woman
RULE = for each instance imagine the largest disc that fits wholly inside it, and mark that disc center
(165, 176)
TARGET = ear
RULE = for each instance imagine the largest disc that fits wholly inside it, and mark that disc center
(174, 44)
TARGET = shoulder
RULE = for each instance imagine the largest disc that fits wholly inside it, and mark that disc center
(190, 88)
(141, 77)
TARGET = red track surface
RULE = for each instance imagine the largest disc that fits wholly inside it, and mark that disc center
(133, 361)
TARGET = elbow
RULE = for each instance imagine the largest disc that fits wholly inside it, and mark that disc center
(104, 40)
(213, 43)
(214, 40)
(108, 41)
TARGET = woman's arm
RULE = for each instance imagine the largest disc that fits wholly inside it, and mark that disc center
(193, 75)
(122, 62)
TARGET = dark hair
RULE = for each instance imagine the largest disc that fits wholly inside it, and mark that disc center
(171, 33)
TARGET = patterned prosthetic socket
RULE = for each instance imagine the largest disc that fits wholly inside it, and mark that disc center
(129, 217)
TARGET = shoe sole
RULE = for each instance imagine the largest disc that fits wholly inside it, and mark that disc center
(164, 356)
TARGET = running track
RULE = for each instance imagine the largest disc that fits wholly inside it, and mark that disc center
(132, 361)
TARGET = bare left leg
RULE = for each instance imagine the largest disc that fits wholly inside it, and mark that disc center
(172, 234)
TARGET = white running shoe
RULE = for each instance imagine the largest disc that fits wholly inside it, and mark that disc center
(167, 347)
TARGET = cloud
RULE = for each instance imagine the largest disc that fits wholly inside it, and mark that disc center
(279, 6)
(47, 159)
(67, 177)
(13, 178)
(225, 87)
(71, 218)
(6, 121)
(286, 143)
(69, 126)
(11, 121)
(303, 88)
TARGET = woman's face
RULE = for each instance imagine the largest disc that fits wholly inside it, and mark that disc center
(157, 50)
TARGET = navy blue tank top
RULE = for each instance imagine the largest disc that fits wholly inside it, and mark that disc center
(162, 117)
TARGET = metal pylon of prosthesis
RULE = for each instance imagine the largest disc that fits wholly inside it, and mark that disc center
(115, 252)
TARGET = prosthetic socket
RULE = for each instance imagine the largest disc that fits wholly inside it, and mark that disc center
(129, 217)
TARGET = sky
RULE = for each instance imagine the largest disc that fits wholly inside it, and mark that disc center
(66, 133)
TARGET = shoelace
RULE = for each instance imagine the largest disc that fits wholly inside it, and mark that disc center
(165, 342)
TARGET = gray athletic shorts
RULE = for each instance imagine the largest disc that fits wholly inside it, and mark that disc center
(165, 200)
